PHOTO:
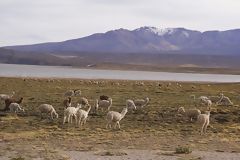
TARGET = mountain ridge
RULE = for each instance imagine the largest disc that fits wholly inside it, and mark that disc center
(146, 40)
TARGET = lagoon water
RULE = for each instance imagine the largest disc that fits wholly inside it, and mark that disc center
(16, 70)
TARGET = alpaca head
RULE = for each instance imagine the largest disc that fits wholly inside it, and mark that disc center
(20, 100)
(147, 99)
(79, 105)
(181, 110)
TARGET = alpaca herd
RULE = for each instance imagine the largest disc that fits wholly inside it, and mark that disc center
(113, 118)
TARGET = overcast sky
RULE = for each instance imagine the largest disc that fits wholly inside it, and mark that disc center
(34, 21)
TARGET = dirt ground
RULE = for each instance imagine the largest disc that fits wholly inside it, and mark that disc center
(151, 133)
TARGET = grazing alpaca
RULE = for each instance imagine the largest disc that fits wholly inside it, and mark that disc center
(190, 113)
(224, 101)
(11, 100)
(5, 96)
(47, 109)
(130, 105)
(115, 117)
(141, 102)
(15, 107)
(72, 93)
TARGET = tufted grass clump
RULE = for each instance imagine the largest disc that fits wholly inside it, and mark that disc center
(183, 150)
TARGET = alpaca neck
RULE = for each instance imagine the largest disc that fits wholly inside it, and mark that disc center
(89, 108)
(110, 102)
(123, 113)
(19, 101)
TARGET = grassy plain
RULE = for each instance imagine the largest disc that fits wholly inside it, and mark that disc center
(156, 127)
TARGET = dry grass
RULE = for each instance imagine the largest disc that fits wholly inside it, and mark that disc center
(154, 127)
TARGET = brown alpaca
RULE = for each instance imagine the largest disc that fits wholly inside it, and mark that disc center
(103, 97)
(67, 102)
(9, 101)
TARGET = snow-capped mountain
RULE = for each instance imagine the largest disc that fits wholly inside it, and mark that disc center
(147, 40)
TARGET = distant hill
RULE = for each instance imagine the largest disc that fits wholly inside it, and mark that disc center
(145, 47)
(147, 40)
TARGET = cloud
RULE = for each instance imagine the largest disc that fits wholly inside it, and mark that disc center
(28, 21)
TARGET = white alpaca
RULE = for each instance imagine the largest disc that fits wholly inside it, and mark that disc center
(82, 116)
(141, 102)
(71, 93)
(115, 117)
(48, 109)
(105, 104)
(130, 104)
(83, 101)
(204, 100)
(224, 101)
(6, 96)
(71, 112)
(15, 107)
(203, 120)
(190, 113)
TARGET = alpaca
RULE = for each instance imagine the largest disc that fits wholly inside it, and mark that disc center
(141, 102)
(103, 97)
(48, 109)
(5, 96)
(107, 104)
(224, 101)
(203, 120)
(82, 116)
(71, 112)
(67, 102)
(8, 101)
(190, 113)
(115, 117)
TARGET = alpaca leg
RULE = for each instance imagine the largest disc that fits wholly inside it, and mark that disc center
(75, 119)
(118, 125)
(107, 125)
(71, 117)
(85, 121)
(110, 124)
(79, 121)
(82, 121)
(68, 119)
(115, 126)
(52, 115)
(64, 119)
(202, 128)
(205, 127)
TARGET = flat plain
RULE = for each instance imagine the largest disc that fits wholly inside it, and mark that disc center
(156, 129)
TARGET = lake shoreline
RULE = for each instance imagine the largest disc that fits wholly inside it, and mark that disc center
(10, 70)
